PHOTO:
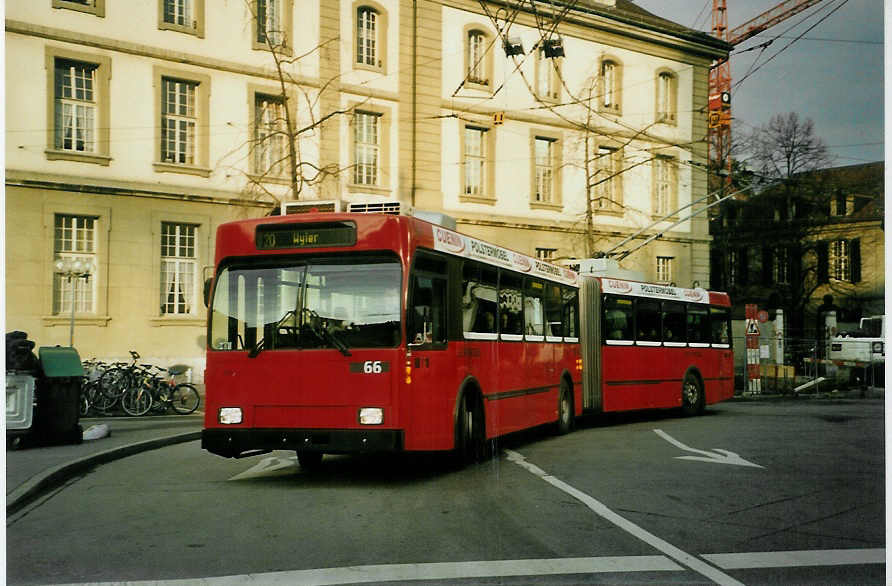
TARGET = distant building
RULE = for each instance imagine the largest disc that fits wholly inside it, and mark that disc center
(789, 250)
(134, 129)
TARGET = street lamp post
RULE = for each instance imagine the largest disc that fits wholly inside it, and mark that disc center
(73, 269)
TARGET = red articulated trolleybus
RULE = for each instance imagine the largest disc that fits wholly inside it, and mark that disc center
(351, 333)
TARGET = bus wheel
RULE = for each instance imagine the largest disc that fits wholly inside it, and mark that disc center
(309, 461)
(565, 410)
(470, 445)
(691, 396)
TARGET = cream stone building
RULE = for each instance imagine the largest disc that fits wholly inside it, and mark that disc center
(135, 127)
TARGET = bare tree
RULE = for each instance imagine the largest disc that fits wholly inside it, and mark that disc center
(765, 248)
(288, 119)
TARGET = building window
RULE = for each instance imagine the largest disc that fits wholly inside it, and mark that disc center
(664, 269)
(606, 188)
(182, 135)
(178, 121)
(78, 117)
(75, 239)
(667, 90)
(75, 106)
(185, 16)
(664, 186)
(367, 146)
(548, 79)
(544, 161)
(270, 136)
(366, 36)
(95, 7)
(269, 22)
(611, 86)
(840, 266)
(178, 12)
(477, 58)
(178, 268)
(546, 254)
(840, 207)
(781, 268)
(475, 160)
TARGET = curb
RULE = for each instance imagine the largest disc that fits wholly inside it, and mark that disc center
(49, 479)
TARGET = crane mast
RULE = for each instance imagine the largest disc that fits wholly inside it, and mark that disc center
(719, 127)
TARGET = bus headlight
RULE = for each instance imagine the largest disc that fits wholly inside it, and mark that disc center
(371, 416)
(229, 415)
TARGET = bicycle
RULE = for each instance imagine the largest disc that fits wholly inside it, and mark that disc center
(167, 394)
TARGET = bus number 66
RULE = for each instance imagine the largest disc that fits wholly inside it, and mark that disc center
(372, 367)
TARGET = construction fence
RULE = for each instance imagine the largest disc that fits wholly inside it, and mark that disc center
(795, 366)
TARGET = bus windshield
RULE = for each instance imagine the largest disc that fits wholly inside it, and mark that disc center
(307, 304)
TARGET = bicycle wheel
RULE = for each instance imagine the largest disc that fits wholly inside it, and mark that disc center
(115, 381)
(184, 399)
(136, 401)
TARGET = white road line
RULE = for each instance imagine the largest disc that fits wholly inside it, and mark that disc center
(686, 559)
(792, 559)
(437, 571)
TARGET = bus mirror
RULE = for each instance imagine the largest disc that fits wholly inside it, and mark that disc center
(207, 292)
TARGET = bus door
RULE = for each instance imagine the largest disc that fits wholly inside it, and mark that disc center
(430, 372)
(542, 380)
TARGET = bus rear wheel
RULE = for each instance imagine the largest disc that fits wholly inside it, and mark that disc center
(565, 410)
(692, 399)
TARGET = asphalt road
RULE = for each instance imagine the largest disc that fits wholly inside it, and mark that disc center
(754, 493)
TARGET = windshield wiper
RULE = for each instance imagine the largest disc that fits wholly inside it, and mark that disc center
(336, 342)
(255, 350)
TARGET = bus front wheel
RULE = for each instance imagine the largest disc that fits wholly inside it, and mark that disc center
(470, 444)
(692, 399)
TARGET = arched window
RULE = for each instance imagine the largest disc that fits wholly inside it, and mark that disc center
(370, 36)
(611, 85)
(667, 90)
(367, 36)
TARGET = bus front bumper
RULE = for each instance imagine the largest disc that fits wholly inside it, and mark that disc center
(236, 443)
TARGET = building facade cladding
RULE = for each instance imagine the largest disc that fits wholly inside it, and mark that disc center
(161, 144)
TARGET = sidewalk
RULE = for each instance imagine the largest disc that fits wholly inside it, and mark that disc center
(31, 471)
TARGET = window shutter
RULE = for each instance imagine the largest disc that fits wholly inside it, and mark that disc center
(823, 262)
(855, 247)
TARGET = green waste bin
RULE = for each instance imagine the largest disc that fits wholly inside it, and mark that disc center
(58, 395)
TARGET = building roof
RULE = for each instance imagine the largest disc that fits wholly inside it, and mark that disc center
(629, 12)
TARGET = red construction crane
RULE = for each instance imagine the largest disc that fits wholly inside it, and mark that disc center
(720, 73)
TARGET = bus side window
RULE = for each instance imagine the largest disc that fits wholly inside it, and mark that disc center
(510, 304)
(698, 325)
(554, 325)
(426, 315)
(479, 298)
(533, 306)
(674, 322)
(618, 319)
(720, 318)
(570, 312)
(647, 320)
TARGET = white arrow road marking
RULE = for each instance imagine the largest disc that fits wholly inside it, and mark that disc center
(268, 465)
(716, 456)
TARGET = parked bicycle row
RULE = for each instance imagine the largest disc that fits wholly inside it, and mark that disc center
(136, 389)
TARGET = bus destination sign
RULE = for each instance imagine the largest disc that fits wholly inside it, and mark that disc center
(278, 236)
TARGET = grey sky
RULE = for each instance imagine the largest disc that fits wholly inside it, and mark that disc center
(833, 75)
